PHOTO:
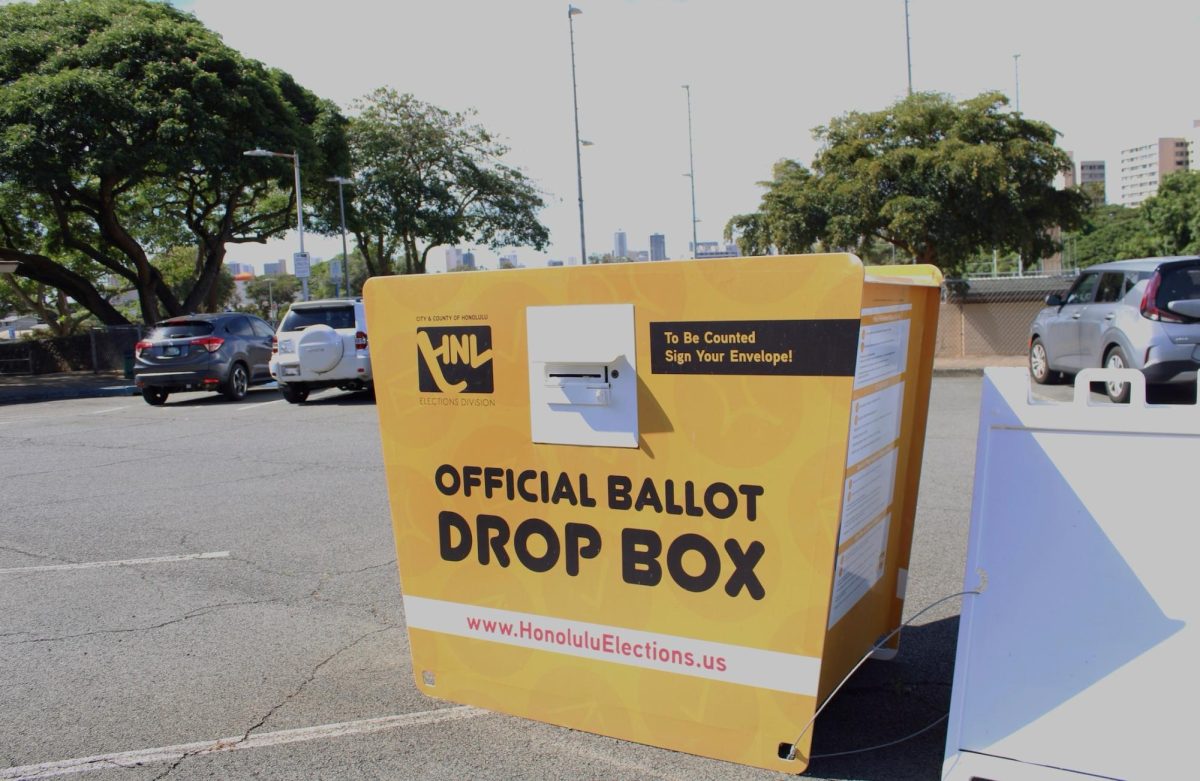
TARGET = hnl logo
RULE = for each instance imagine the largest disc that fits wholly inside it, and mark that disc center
(461, 361)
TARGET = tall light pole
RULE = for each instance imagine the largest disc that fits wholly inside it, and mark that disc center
(295, 156)
(571, 12)
(1017, 81)
(341, 180)
(908, 46)
(691, 174)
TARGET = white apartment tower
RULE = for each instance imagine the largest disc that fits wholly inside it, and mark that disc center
(1144, 167)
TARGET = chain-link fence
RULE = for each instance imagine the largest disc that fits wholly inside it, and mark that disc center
(100, 349)
(991, 315)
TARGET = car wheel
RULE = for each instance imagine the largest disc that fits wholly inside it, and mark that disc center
(237, 384)
(1118, 392)
(156, 397)
(1039, 364)
(295, 394)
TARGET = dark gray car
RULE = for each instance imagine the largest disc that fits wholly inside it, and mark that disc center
(225, 352)
(1132, 314)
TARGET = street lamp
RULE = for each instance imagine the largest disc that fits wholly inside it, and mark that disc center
(341, 180)
(691, 174)
(571, 12)
(295, 156)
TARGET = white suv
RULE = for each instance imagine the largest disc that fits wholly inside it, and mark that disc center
(322, 344)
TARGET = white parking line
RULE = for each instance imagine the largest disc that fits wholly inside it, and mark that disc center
(237, 743)
(103, 411)
(256, 406)
(122, 563)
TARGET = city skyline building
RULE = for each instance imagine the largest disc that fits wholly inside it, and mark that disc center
(1144, 167)
(234, 268)
(276, 268)
(1093, 180)
(658, 246)
(714, 249)
(468, 260)
(454, 257)
(620, 245)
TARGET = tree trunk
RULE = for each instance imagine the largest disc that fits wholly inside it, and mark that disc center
(42, 269)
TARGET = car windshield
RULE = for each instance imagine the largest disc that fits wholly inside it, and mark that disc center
(1179, 283)
(332, 316)
(182, 329)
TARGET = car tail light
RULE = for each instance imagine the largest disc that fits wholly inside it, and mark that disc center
(360, 340)
(274, 344)
(210, 343)
(1149, 308)
(140, 348)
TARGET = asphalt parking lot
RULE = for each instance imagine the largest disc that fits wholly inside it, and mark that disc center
(209, 589)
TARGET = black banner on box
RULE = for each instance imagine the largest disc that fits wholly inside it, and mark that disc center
(808, 348)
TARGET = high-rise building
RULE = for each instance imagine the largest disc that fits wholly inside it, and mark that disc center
(454, 258)
(234, 268)
(639, 255)
(468, 260)
(275, 268)
(1092, 180)
(1144, 167)
(658, 246)
(1194, 146)
(1068, 174)
(620, 245)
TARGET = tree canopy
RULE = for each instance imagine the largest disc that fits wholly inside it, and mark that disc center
(123, 123)
(426, 177)
(937, 179)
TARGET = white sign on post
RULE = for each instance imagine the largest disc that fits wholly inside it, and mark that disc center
(300, 265)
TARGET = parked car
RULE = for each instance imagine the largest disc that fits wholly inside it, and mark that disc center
(322, 344)
(226, 352)
(1138, 314)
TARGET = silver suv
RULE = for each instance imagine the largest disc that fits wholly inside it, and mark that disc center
(322, 344)
(1137, 314)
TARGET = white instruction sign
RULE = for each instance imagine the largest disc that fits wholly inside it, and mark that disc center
(882, 345)
(859, 567)
(301, 265)
(867, 494)
(874, 422)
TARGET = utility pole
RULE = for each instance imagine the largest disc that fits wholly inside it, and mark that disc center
(691, 174)
(908, 47)
(1017, 81)
(571, 12)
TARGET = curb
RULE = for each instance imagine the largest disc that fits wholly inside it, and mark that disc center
(59, 394)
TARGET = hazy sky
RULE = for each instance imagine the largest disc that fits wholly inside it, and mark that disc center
(762, 74)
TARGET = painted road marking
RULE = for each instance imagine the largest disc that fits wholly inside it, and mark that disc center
(103, 411)
(259, 404)
(237, 743)
(122, 563)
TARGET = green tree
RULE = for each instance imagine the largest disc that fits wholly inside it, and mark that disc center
(180, 268)
(936, 179)
(425, 177)
(1172, 216)
(128, 120)
(1111, 233)
(320, 284)
(268, 296)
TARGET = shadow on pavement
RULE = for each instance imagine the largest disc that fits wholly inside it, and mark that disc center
(887, 701)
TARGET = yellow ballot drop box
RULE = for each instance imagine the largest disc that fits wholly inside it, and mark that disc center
(666, 502)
